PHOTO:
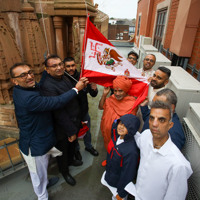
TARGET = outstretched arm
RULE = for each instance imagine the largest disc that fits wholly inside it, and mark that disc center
(103, 98)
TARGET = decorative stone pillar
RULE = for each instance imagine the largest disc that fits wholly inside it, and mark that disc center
(58, 25)
(82, 21)
(76, 40)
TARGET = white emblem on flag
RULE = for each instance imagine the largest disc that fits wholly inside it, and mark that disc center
(104, 58)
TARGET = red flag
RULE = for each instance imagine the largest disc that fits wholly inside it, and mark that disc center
(82, 132)
(102, 62)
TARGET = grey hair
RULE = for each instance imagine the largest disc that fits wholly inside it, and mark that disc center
(150, 54)
(162, 105)
(169, 94)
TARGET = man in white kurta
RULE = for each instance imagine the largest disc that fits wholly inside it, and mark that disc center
(163, 170)
(148, 63)
(158, 81)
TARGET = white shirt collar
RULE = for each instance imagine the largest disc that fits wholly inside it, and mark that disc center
(164, 150)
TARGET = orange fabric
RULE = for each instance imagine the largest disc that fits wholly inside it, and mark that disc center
(122, 82)
(114, 109)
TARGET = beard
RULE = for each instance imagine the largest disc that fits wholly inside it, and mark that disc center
(155, 85)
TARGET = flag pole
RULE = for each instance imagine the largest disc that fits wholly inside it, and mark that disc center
(70, 76)
(84, 44)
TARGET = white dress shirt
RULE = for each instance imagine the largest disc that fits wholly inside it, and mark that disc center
(148, 73)
(152, 92)
(163, 172)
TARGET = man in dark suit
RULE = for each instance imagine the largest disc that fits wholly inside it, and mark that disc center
(67, 120)
(35, 123)
(74, 75)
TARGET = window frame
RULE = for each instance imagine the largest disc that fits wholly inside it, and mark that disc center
(160, 27)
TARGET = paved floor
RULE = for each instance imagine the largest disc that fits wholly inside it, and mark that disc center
(18, 185)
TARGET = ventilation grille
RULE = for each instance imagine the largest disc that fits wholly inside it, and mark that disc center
(191, 151)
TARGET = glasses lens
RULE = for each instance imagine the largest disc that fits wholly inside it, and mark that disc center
(31, 72)
(132, 58)
(147, 59)
(24, 75)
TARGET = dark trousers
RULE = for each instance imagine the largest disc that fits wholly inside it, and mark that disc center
(68, 149)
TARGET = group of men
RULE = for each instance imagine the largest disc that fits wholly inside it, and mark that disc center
(50, 114)
(163, 170)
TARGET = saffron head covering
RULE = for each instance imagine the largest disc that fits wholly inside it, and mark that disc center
(123, 83)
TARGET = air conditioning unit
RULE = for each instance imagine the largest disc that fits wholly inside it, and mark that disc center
(145, 40)
(193, 115)
(186, 87)
(191, 149)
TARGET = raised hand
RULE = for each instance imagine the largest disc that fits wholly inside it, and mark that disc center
(82, 83)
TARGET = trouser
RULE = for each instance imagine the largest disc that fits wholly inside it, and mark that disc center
(87, 137)
(68, 150)
(39, 176)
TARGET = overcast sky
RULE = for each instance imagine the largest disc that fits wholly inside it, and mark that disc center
(118, 8)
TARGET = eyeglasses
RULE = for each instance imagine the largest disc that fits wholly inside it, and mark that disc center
(25, 74)
(61, 64)
(147, 59)
(132, 58)
(70, 65)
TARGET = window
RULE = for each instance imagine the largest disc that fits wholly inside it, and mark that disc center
(159, 30)
(138, 28)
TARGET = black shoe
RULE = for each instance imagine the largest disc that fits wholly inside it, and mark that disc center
(92, 151)
(52, 181)
(76, 163)
(69, 179)
(77, 155)
(130, 197)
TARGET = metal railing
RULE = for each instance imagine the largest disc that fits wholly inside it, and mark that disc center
(168, 54)
(183, 62)
(12, 166)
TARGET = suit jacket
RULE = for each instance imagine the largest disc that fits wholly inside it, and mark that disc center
(82, 96)
(35, 120)
(66, 120)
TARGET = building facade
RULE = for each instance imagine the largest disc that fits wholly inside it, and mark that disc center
(172, 25)
(118, 32)
(31, 29)
(121, 29)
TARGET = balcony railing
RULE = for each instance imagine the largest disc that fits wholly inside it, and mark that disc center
(183, 62)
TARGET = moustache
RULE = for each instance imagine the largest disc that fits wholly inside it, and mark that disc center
(153, 81)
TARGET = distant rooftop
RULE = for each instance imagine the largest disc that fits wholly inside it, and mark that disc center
(130, 22)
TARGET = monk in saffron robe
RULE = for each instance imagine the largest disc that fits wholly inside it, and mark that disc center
(115, 106)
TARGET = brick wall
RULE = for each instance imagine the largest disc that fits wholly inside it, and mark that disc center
(148, 16)
(171, 23)
(153, 18)
(142, 8)
(195, 58)
(113, 30)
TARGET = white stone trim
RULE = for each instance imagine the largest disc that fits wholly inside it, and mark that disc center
(162, 5)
